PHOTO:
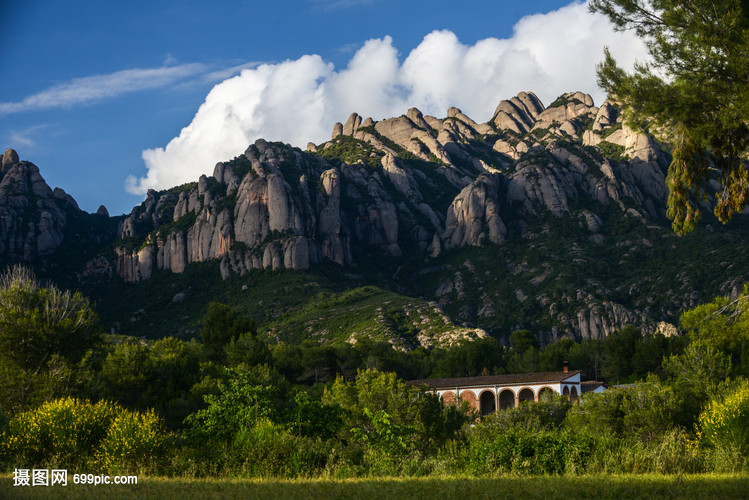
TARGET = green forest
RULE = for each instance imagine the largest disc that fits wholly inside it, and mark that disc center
(230, 404)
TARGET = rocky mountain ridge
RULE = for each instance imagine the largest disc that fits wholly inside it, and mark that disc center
(276, 207)
(549, 218)
(35, 218)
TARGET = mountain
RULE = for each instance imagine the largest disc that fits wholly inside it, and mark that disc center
(404, 184)
(37, 222)
(415, 229)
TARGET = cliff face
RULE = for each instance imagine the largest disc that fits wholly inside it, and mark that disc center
(548, 218)
(401, 184)
(44, 226)
(32, 219)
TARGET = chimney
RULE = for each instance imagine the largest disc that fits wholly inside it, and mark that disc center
(566, 366)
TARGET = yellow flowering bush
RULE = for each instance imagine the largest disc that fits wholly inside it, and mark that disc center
(69, 433)
(135, 442)
(59, 432)
(724, 424)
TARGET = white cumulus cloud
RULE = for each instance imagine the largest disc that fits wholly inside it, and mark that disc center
(298, 101)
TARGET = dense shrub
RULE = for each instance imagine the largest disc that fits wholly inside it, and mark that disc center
(60, 432)
(382, 399)
(240, 405)
(645, 410)
(268, 449)
(522, 451)
(671, 453)
(724, 424)
(547, 414)
(136, 442)
(69, 432)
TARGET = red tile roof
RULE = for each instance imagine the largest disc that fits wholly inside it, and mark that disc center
(487, 380)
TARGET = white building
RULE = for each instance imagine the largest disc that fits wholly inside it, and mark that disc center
(487, 393)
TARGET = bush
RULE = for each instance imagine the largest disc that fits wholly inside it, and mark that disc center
(522, 451)
(724, 424)
(37, 322)
(671, 453)
(379, 402)
(269, 450)
(546, 414)
(63, 432)
(612, 151)
(69, 433)
(646, 410)
(240, 404)
(136, 442)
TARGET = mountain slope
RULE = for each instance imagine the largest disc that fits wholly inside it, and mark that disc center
(547, 218)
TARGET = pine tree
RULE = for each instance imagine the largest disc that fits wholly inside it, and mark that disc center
(693, 95)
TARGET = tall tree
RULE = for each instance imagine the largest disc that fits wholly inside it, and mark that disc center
(37, 323)
(693, 94)
(221, 325)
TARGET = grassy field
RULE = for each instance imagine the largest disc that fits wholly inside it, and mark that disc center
(546, 487)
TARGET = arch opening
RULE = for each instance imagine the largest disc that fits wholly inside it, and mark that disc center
(506, 399)
(526, 395)
(487, 403)
(545, 393)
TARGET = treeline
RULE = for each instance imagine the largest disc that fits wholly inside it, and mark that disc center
(232, 403)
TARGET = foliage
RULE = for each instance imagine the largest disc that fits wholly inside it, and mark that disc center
(612, 151)
(312, 418)
(672, 453)
(182, 224)
(135, 442)
(521, 451)
(247, 350)
(563, 101)
(396, 416)
(37, 323)
(694, 94)
(723, 325)
(697, 375)
(239, 405)
(69, 432)
(222, 325)
(350, 150)
(268, 449)
(60, 432)
(548, 413)
(522, 340)
(645, 410)
(240, 166)
(159, 375)
(469, 359)
(724, 423)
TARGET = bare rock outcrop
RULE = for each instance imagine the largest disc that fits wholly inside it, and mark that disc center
(473, 217)
(519, 113)
(600, 320)
(32, 217)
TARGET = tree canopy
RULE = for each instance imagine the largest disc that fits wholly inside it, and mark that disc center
(693, 94)
(37, 323)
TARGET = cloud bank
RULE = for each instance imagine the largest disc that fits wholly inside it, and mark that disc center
(298, 101)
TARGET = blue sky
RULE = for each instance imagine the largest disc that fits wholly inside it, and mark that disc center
(111, 98)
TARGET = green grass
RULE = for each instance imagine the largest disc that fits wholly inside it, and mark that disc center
(600, 487)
